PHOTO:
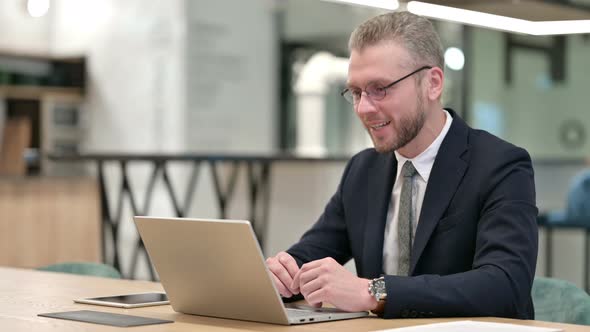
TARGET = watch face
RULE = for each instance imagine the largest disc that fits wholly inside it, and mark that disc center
(378, 289)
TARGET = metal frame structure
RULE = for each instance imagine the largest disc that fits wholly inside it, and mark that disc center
(258, 174)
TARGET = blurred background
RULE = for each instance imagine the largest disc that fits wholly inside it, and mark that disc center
(231, 108)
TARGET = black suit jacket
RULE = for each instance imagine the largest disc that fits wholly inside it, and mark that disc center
(475, 248)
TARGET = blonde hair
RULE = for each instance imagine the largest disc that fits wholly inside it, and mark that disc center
(416, 34)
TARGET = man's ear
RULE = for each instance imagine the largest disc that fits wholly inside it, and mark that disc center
(436, 79)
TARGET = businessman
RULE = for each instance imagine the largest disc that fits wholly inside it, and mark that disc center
(439, 218)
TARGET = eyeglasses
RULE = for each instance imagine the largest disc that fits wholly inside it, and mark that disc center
(373, 90)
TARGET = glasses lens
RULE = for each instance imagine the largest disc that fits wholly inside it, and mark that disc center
(375, 91)
(347, 94)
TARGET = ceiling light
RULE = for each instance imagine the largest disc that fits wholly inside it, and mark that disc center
(454, 58)
(561, 27)
(383, 4)
(498, 22)
(37, 8)
(468, 17)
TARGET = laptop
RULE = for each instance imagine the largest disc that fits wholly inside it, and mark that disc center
(215, 268)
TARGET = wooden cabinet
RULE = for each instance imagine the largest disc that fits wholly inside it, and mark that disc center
(45, 220)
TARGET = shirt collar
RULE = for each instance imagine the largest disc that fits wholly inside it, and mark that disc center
(425, 160)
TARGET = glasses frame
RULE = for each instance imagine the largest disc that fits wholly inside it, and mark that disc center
(347, 91)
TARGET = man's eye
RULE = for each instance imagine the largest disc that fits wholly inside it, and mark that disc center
(356, 93)
(377, 89)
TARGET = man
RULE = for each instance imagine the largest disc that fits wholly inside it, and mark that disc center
(439, 218)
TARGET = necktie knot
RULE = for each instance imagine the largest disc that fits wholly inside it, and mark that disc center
(408, 169)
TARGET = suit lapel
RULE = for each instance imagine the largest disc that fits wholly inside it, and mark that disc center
(380, 184)
(448, 169)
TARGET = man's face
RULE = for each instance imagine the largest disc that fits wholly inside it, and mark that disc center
(395, 120)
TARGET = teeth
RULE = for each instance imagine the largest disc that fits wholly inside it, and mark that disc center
(380, 125)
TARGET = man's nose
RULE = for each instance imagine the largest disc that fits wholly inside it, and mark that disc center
(365, 104)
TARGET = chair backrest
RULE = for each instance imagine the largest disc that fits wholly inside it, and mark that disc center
(578, 198)
(560, 301)
(84, 268)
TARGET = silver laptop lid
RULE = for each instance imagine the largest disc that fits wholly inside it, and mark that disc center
(212, 268)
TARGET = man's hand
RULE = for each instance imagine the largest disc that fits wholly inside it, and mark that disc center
(283, 268)
(325, 280)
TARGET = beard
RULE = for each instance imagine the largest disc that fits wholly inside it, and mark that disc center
(406, 129)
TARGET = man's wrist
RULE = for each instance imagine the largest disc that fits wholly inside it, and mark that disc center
(368, 299)
(377, 290)
(379, 309)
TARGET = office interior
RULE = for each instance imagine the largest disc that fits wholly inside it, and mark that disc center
(231, 109)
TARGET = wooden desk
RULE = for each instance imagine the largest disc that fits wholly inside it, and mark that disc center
(26, 293)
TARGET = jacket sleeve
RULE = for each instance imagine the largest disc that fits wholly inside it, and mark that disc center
(500, 281)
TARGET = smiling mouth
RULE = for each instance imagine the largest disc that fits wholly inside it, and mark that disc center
(380, 125)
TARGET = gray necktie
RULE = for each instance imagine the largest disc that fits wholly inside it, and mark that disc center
(404, 223)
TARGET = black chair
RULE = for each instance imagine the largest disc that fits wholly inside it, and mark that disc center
(560, 301)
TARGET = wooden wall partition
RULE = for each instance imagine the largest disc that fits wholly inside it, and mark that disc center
(49, 220)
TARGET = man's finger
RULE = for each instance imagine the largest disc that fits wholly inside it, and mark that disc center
(313, 264)
(316, 305)
(316, 298)
(295, 283)
(280, 272)
(310, 287)
(307, 275)
(289, 263)
(284, 291)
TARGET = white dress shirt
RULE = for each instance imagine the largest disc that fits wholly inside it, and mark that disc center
(423, 164)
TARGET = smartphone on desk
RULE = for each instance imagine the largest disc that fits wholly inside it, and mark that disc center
(128, 300)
